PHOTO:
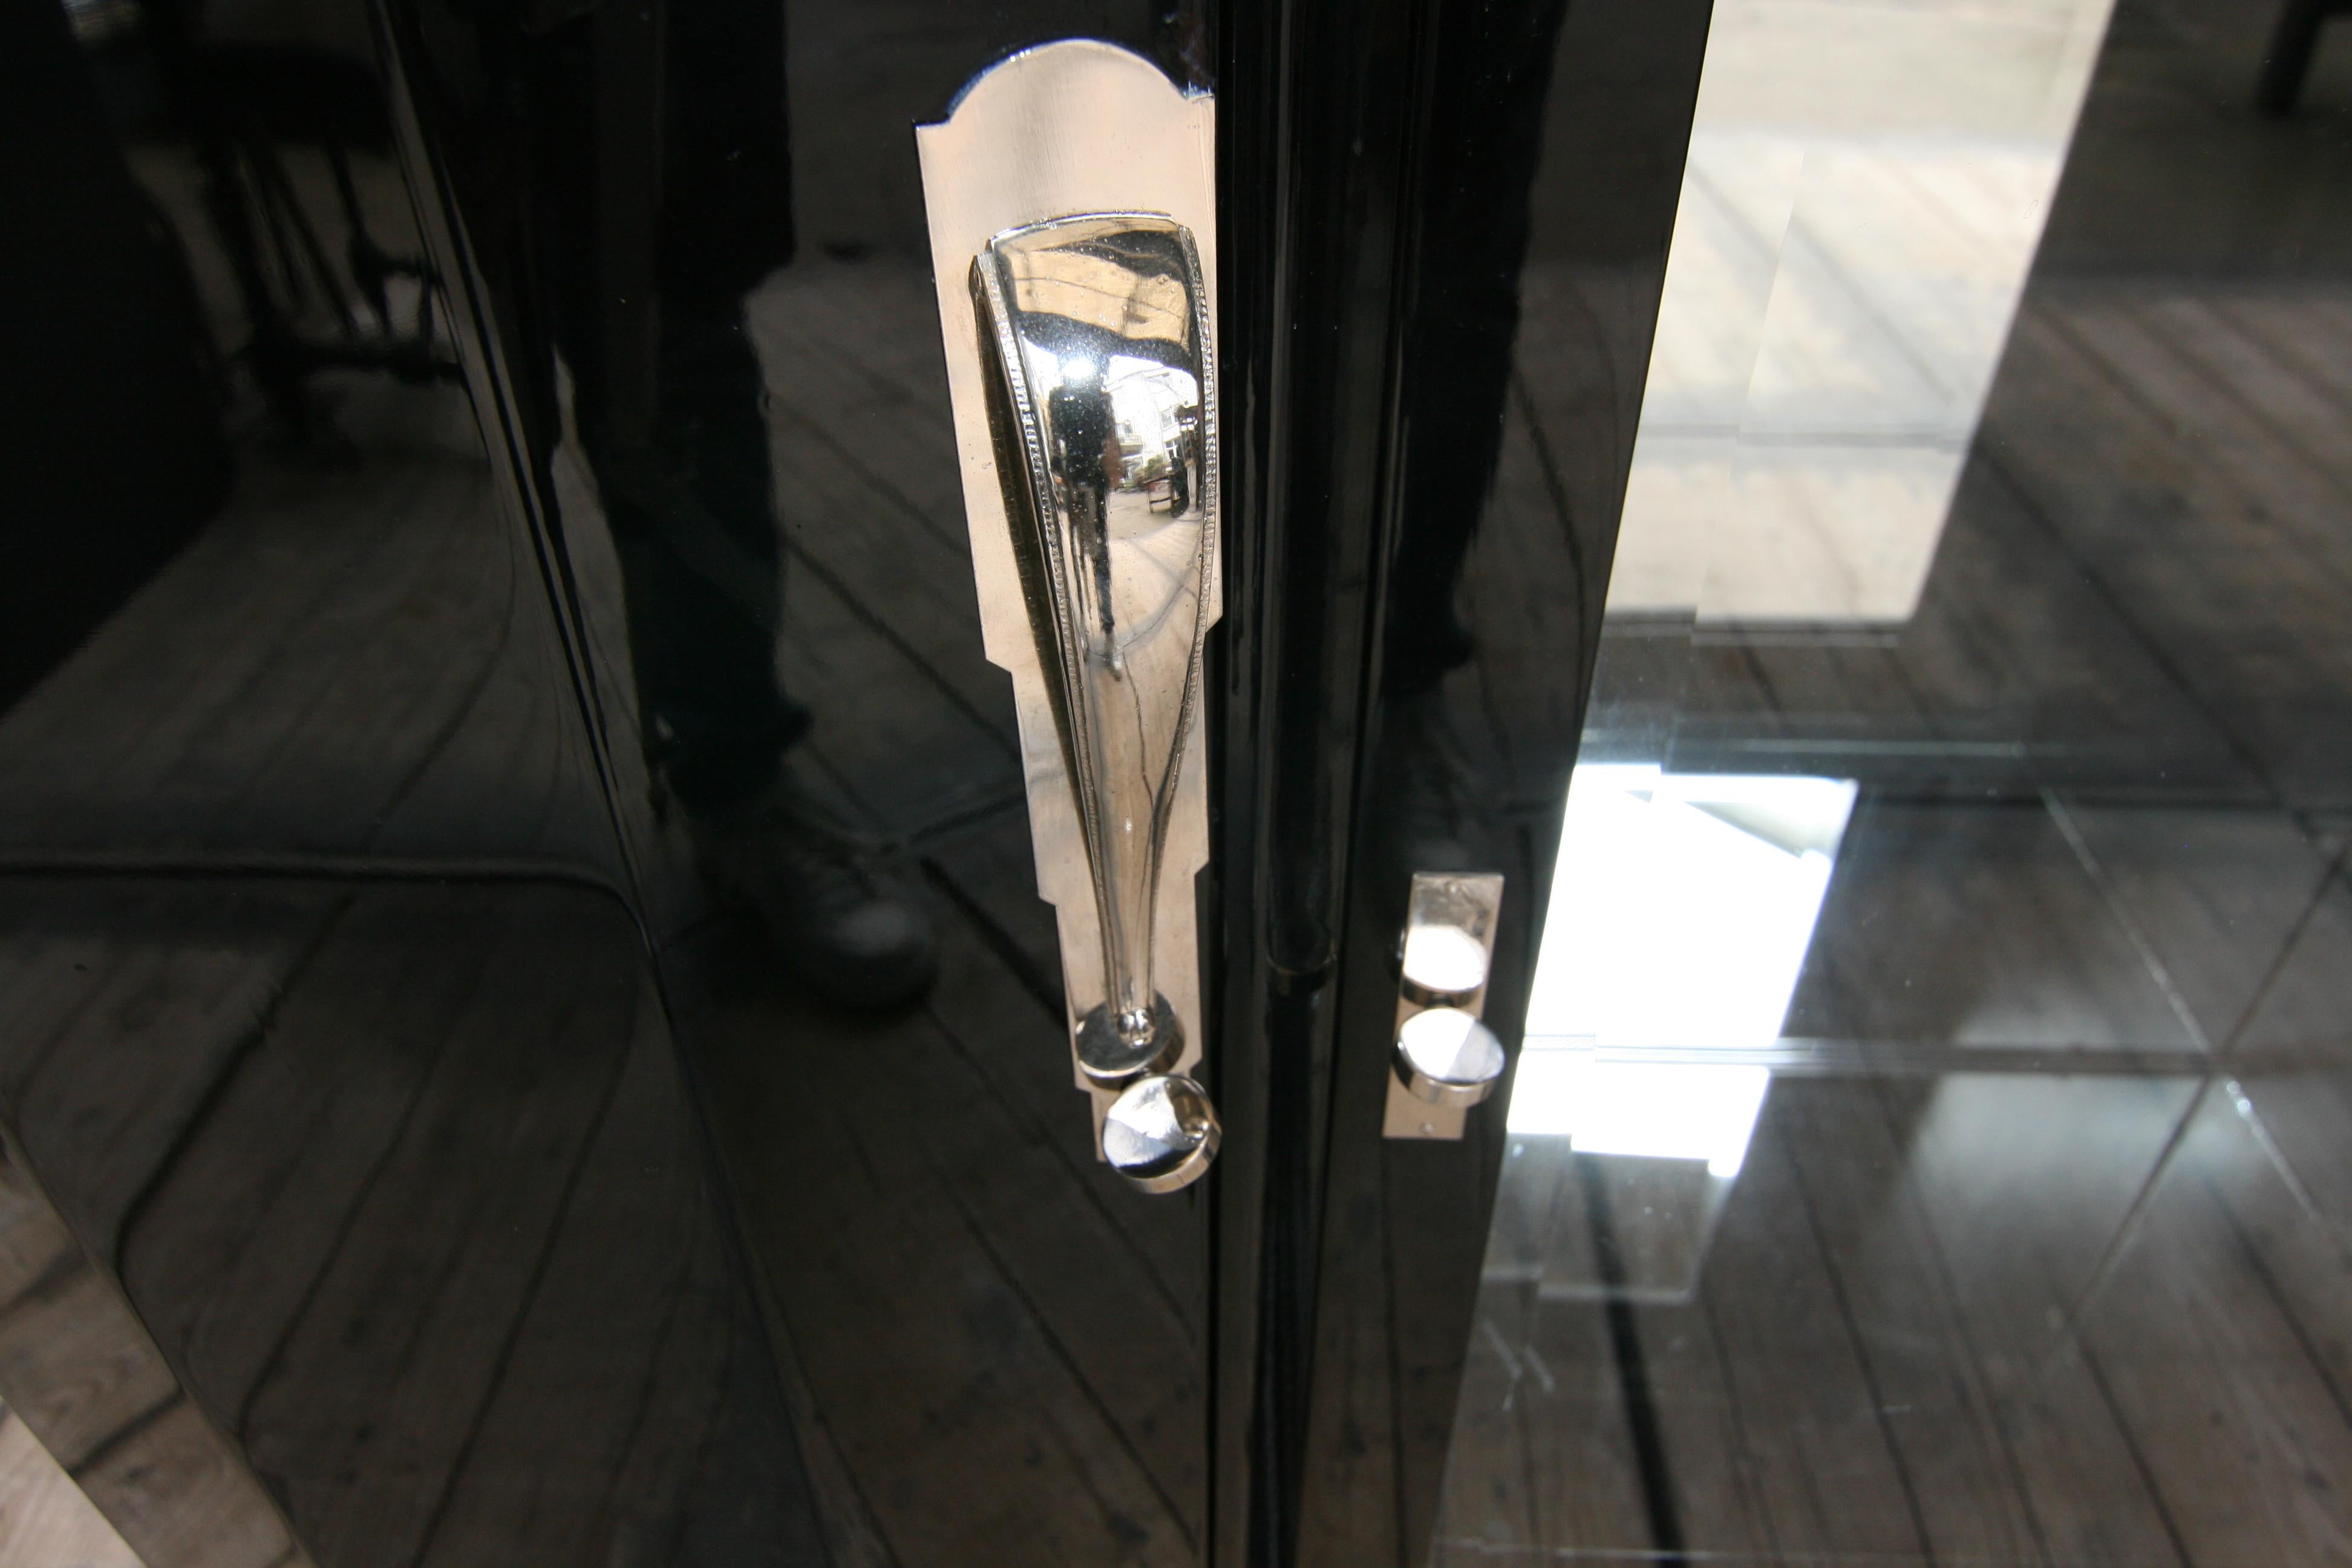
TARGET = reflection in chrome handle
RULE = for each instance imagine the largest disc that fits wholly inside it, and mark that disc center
(1161, 1132)
(1095, 339)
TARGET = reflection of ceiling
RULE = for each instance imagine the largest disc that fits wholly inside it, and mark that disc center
(1099, 292)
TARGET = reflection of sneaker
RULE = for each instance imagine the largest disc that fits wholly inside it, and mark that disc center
(845, 919)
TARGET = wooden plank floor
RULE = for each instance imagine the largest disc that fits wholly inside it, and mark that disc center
(350, 659)
(1038, 1392)
(2171, 608)
(2082, 1316)
(354, 662)
(2041, 1253)
(1901, 1350)
(45, 1520)
(402, 1181)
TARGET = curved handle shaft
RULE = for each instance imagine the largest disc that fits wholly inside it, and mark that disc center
(1094, 329)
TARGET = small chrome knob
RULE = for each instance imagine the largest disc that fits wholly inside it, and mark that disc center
(1115, 1052)
(1161, 1132)
(1445, 1057)
(1445, 966)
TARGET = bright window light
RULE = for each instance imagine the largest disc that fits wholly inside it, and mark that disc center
(1681, 912)
(1683, 905)
(1668, 1110)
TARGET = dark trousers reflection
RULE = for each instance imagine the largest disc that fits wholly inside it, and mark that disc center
(658, 193)
(1494, 64)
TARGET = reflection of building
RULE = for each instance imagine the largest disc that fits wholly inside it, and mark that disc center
(1155, 408)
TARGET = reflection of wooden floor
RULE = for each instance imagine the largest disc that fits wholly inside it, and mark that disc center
(2145, 569)
(45, 1520)
(352, 661)
(2143, 573)
(351, 658)
(2043, 1252)
(401, 1180)
(1003, 1345)
(1941, 1322)
(881, 632)
(1870, 1367)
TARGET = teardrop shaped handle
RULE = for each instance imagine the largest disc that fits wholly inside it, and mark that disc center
(1097, 348)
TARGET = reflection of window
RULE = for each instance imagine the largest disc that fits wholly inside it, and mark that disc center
(1681, 911)
(1683, 905)
(1106, 294)
(1662, 1111)
(1865, 189)
(1149, 400)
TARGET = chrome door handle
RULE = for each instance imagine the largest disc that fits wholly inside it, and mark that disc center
(1070, 203)
(1095, 329)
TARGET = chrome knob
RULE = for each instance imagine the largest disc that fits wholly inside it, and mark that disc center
(1161, 1132)
(1445, 966)
(1445, 1057)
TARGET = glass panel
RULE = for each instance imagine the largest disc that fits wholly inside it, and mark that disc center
(1929, 1139)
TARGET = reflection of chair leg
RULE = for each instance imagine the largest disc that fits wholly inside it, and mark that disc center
(371, 267)
(2287, 62)
(279, 193)
(269, 351)
(249, 107)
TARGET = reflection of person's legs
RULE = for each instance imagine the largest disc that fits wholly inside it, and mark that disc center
(1494, 63)
(692, 522)
(672, 424)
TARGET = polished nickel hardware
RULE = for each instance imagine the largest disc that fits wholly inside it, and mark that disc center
(1161, 1132)
(1444, 965)
(1446, 1059)
(1097, 329)
(1072, 214)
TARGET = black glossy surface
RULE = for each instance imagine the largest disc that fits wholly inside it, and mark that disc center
(387, 660)
(1600, 96)
(331, 1033)
(2033, 1249)
(372, 656)
(497, 1196)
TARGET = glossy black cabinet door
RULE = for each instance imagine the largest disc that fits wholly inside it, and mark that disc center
(361, 1210)
(530, 1016)
(1904, 692)
(690, 252)
(466, 451)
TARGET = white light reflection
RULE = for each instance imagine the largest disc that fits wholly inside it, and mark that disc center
(1680, 916)
(1865, 189)
(1667, 1110)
